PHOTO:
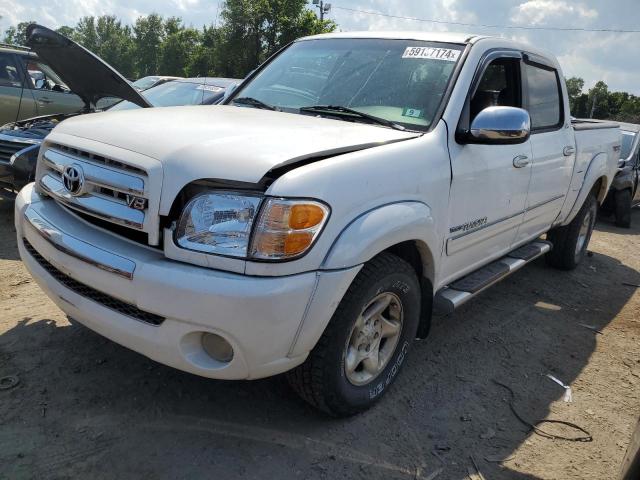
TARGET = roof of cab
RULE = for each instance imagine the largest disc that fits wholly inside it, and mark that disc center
(448, 37)
(629, 127)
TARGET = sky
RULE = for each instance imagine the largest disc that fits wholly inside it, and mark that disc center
(608, 56)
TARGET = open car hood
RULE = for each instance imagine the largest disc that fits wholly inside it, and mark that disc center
(86, 74)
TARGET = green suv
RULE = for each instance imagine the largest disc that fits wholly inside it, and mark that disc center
(29, 87)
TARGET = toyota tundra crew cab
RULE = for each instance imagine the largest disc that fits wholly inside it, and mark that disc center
(350, 186)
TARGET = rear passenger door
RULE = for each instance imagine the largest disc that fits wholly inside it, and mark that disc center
(553, 145)
(11, 87)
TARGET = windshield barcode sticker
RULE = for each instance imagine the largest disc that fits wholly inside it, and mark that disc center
(209, 88)
(433, 53)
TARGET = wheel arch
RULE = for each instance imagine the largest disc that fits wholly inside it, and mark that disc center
(596, 181)
(405, 229)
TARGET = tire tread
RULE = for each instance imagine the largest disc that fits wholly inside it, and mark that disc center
(307, 379)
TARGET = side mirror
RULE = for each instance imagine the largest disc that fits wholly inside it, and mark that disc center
(39, 83)
(500, 126)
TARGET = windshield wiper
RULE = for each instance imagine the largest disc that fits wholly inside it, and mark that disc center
(254, 102)
(346, 111)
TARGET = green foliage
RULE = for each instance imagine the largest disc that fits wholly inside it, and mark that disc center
(17, 35)
(250, 31)
(600, 103)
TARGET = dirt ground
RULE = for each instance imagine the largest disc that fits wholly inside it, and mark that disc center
(88, 408)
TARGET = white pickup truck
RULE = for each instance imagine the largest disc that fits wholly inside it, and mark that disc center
(310, 225)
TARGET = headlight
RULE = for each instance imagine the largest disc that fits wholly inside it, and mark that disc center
(218, 223)
(223, 223)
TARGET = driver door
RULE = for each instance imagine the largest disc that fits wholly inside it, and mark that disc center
(49, 91)
(489, 182)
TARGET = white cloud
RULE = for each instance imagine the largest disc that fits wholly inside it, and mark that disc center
(536, 12)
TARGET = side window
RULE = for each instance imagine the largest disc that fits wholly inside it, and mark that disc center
(42, 77)
(500, 85)
(544, 97)
(9, 75)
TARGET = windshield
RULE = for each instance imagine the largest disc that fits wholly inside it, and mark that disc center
(627, 144)
(176, 93)
(401, 81)
(145, 82)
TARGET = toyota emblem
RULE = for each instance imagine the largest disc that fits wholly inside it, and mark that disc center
(73, 179)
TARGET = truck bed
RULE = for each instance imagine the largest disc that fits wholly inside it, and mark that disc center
(593, 137)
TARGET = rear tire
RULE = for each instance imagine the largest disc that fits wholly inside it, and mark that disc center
(623, 208)
(361, 352)
(571, 241)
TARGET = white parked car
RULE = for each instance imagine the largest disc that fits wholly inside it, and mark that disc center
(310, 223)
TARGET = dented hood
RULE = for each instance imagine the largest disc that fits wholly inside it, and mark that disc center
(86, 74)
(226, 142)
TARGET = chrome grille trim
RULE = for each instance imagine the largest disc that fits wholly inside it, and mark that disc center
(97, 206)
(95, 175)
(98, 159)
(106, 187)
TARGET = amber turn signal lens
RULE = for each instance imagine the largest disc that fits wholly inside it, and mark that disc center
(287, 228)
(297, 242)
(305, 216)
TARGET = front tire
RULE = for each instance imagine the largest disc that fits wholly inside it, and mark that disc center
(571, 241)
(366, 342)
(623, 208)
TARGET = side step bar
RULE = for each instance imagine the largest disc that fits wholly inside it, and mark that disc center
(459, 292)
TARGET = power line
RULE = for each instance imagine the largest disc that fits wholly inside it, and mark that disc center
(513, 27)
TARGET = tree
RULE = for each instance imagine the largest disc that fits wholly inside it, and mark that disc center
(17, 35)
(86, 34)
(149, 34)
(68, 32)
(599, 100)
(574, 89)
(178, 47)
(252, 30)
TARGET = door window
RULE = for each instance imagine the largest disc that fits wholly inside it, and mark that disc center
(544, 97)
(499, 86)
(42, 77)
(9, 75)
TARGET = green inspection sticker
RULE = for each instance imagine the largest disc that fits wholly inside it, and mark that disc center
(412, 112)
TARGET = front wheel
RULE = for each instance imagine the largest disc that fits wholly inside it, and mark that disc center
(366, 342)
(571, 241)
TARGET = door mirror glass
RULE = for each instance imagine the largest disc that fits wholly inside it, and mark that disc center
(500, 126)
(39, 83)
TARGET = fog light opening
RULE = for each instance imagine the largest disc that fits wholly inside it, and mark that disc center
(217, 347)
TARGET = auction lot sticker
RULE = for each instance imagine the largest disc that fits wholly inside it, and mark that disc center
(433, 53)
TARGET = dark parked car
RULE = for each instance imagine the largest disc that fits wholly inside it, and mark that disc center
(625, 189)
(96, 81)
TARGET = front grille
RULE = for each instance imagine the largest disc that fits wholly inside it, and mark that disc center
(8, 148)
(110, 192)
(93, 294)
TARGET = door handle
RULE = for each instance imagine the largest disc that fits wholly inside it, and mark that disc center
(45, 100)
(521, 161)
(568, 151)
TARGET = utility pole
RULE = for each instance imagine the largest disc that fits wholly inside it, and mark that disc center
(593, 105)
(323, 7)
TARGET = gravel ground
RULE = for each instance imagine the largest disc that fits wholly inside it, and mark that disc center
(88, 408)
